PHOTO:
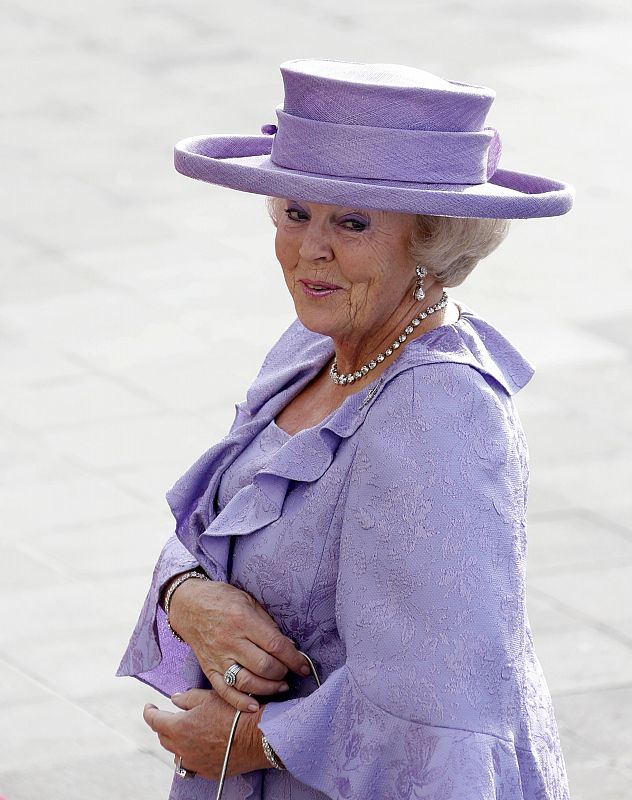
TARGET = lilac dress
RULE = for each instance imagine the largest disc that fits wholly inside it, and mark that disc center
(389, 543)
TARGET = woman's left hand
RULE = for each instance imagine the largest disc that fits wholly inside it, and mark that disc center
(199, 734)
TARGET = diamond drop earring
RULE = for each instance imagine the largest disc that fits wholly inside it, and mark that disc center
(419, 288)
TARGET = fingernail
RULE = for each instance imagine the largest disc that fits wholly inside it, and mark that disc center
(305, 670)
(253, 707)
(176, 694)
(283, 687)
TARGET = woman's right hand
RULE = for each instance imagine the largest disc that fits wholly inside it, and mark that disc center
(224, 625)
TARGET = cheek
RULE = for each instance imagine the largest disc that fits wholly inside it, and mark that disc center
(379, 292)
(359, 268)
(369, 275)
(286, 251)
(370, 261)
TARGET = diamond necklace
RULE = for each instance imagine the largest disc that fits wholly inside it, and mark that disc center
(351, 377)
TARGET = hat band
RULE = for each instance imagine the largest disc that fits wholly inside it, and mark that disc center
(393, 154)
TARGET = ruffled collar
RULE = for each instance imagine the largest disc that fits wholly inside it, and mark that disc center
(295, 359)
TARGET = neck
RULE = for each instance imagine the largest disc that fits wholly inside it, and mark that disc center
(354, 352)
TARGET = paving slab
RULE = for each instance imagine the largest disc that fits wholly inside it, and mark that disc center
(121, 708)
(593, 659)
(575, 542)
(71, 665)
(82, 400)
(52, 733)
(94, 551)
(131, 442)
(595, 716)
(546, 617)
(17, 688)
(102, 777)
(602, 595)
(596, 484)
(33, 504)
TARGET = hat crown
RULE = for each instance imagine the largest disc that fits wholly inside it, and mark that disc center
(379, 136)
(382, 95)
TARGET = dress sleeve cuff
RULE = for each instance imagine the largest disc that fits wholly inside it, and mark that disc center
(340, 743)
(153, 654)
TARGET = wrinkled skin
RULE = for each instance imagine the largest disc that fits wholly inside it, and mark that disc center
(199, 734)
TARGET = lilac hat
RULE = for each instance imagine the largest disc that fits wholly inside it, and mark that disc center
(379, 136)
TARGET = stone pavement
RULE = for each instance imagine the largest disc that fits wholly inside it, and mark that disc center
(129, 297)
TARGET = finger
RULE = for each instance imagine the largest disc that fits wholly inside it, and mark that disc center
(246, 681)
(236, 698)
(190, 699)
(160, 722)
(256, 659)
(281, 648)
(261, 674)
(168, 743)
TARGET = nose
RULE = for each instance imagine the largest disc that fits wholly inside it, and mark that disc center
(315, 245)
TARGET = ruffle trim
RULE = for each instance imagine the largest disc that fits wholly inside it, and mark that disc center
(306, 456)
(340, 743)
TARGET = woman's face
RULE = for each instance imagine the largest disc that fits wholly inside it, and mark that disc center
(362, 253)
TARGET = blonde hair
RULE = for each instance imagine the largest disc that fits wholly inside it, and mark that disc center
(448, 247)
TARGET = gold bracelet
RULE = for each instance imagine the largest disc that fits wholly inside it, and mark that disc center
(270, 754)
(173, 586)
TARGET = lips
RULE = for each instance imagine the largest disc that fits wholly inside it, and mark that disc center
(319, 285)
(318, 288)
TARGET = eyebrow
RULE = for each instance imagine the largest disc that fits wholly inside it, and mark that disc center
(344, 209)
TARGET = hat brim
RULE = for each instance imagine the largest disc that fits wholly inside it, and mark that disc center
(244, 163)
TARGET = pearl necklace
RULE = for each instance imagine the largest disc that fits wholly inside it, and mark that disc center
(351, 377)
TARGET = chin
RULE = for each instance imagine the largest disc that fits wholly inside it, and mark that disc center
(315, 321)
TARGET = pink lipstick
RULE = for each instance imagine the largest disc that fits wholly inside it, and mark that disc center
(318, 288)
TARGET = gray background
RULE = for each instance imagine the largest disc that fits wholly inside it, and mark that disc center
(136, 306)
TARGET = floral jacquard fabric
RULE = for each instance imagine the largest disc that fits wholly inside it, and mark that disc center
(252, 459)
(389, 542)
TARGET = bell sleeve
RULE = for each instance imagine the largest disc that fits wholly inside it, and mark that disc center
(153, 654)
(429, 605)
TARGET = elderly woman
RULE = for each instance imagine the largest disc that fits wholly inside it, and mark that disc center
(343, 601)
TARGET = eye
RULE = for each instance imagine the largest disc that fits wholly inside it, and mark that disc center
(354, 224)
(299, 214)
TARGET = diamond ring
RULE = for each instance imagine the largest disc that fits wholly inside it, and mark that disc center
(230, 676)
(183, 772)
